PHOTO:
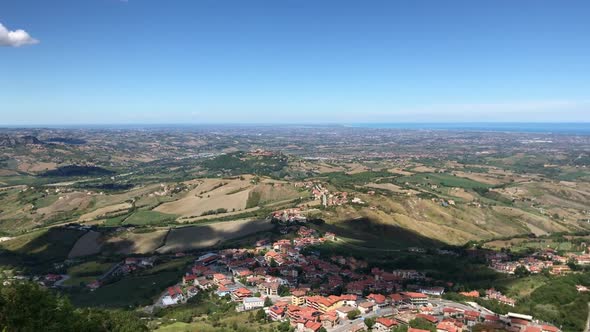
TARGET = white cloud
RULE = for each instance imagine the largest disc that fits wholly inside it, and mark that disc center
(15, 38)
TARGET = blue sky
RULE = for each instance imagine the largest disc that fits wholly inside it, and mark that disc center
(212, 61)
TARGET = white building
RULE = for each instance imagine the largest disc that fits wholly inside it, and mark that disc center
(252, 303)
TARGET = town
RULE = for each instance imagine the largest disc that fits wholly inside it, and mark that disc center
(315, 293)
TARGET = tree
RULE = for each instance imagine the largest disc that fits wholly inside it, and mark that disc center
(273, 263)
(260, 315)
(283, 290)
(28, 307)
(369, 322)
(421, 323)
(400, 328)
(353, 314)
(322, 329)
(267, 302)
(521, 271)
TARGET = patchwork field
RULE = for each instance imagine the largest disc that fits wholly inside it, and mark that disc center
(202, 236)
(210, 194)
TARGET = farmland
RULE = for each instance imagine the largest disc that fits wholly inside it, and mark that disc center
(209, 235)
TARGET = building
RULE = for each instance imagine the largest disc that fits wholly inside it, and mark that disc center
(383, 324)
(276, 313)
(269, 288)
(434, 291)
(240, 293)
(298, 297)
(342, 312)
(252, 303)
(417, 299)
(366, 307)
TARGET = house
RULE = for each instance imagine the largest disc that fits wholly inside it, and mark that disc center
(396, 299)
(252, 303)
(173, 297)
(311, 326)
(470, 294)
(240, 293)
(366, 307)
(329, 319)
(342, 312)
(411, 329)
(449, 326)
(452, 312)
(378, 299)
(269, 288)
(429, 318)
(324, 304)
(471, 317)
(349, 299)
(383, 324)
(189, 279)
(207, 259)
(276, 313)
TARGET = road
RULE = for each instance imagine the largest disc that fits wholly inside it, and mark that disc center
(346, 324)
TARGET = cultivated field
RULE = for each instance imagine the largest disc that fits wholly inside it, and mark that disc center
(136, 243)
(101, 212)
(210, 194)
(87, 244)
(203, 236)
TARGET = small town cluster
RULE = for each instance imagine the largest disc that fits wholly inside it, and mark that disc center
(545, 260)
(327, 198)
(292, 282)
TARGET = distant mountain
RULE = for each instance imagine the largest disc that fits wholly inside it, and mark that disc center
(6, 140)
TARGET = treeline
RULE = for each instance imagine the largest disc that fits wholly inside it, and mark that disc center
(77, 170)
(28, 307)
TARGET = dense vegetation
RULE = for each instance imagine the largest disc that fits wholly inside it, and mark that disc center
(28, 307)
(241, 163)
(76, 170)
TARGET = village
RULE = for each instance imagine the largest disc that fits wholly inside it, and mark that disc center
(546, 260)
(314, 293)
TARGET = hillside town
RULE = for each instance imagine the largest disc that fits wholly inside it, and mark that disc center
(545, 260)
(291, 283)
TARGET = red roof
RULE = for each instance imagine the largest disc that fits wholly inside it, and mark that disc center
(549, 328)
(277, 310)
(519, 321)
(386, 322)
(313, 325)
(532, 329)
(378, 298)
(411, 329)
(429, 318)
(414, 295)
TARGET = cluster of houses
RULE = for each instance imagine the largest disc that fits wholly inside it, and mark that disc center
(289, 216)
(313, 292)
(492, 294)
(536, 263)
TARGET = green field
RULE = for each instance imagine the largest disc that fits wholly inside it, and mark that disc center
(441, 179)
(144, 217)
(91, 268)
